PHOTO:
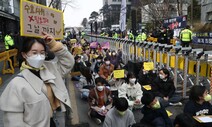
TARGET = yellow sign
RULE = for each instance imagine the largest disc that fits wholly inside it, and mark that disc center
(147, 87)
(148, 66)
(36, 18)
(118, 73)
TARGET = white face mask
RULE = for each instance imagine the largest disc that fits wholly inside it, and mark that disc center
(36, 61)
(99, 60)
(107, 62)
(161, 76)
(132, 80)
(114, 54)
(100, 88)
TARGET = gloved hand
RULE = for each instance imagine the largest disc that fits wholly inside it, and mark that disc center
(51, 43)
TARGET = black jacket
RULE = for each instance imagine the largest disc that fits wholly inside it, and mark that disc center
(163, 88)
(146, 79)
(151, 114)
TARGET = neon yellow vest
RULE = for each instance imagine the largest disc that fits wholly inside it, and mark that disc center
(8, 41)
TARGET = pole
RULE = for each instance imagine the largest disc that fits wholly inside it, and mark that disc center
(192, 7)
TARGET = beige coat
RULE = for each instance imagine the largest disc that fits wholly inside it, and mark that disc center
(23, 100)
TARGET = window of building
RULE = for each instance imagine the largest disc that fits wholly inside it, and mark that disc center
(114, 0)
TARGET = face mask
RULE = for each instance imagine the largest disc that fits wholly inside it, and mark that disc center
(98, 60)
(132, 80)
(156, 105)
(161, 76)
(78, 61)
(107, 62)
(114, 54)
(145, 72)
(207, 97)
(100, 88)
(36, 61)
(121, 113)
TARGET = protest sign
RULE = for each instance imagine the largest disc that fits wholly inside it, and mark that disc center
(118, 73)
(105, 45)
(36, 18)
(148, 66)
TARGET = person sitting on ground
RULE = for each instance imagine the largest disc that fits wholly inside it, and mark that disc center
(163, 87)
(146, 77)
(87, 82)
(198, 104)
(99, 100)
(98, 64)
(77, 67)
(154, 113)
(131, 90)
(114, 58)
(119, 115)
(115, 84)
(106, 69)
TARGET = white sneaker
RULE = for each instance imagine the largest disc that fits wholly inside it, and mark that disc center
(97, 121)
(176, 104)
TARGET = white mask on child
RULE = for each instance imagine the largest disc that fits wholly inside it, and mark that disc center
(132, 80)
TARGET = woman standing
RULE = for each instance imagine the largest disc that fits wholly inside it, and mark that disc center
(38, 91)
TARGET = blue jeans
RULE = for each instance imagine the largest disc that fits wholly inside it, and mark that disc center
(174, 99)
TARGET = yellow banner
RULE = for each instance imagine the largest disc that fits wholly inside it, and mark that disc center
(148, 66)
(118, 73)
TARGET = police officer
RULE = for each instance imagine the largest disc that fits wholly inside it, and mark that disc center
(8, 41)
(186, 36)
(115, 35)
(131, 36)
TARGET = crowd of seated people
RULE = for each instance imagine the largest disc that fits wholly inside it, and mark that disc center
(104, 92)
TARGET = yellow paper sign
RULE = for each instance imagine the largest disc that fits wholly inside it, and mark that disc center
(147, 87)
(118, 73)
(148, 66)
(36, 18)
(169, 113)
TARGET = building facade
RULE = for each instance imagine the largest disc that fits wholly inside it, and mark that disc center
(9, 17)
(206, 11)
(112, 16)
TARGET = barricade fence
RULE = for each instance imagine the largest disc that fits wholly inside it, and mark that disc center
(188, 66)
(6, 58)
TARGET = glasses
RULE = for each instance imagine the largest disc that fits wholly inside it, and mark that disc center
(35, 54)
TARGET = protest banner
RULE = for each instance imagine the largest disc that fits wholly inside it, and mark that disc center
(118, 73)
(93, 44)
(36, 18)
(105, 45)
(148, 66)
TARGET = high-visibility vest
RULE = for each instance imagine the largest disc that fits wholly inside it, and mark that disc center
(131, 36)
(8, 41)
(186, 35)
(143, 36)
(139, 38)
(115, 35)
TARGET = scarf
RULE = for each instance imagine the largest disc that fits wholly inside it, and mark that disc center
(25, 66)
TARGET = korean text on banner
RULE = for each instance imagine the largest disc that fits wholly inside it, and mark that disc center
(118, 73)
(148, 66)
(36, 18)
